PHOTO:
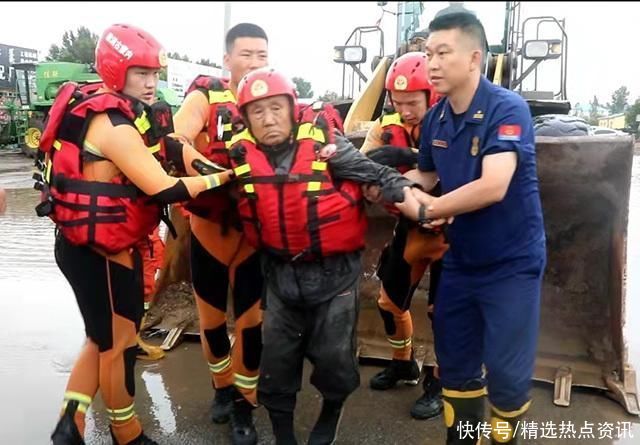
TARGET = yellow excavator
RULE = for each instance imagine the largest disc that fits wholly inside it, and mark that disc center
(584, 184)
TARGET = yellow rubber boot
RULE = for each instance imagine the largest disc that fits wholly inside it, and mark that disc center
(145, 350)
(506, 425)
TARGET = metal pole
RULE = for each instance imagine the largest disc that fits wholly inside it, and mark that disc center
(227, 20)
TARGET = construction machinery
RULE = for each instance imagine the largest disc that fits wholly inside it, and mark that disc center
(37, 93)
(584, 185)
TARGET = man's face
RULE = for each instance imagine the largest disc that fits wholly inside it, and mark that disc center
(247, 54)
(142, 83)
(451, 59)
(270, 119)
(412, 105)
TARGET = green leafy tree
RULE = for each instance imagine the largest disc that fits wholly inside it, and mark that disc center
(329, 96)
(303, 87)
(632, 113)
(619, 100)
(78, 47)
(593, 111)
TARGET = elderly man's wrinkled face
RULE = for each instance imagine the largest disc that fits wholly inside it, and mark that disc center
(270, 119)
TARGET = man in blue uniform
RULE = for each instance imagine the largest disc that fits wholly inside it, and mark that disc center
(479, 142)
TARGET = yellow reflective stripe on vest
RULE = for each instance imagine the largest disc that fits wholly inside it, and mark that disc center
(318, 166)
(249, 188)
(391, 119)
(244, 135)
(142, 123)
(314, 186)
(47, 171)
(245, 382)
(308, 131)
(242, 169)
(57, 144)
(217, 97)
(154, 148)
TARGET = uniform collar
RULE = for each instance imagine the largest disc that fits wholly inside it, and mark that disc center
(477, 110)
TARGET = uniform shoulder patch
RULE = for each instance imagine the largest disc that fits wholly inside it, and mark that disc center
(509, 132)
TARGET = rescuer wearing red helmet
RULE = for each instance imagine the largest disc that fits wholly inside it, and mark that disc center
(105, 188)
(393, 141)
(301, 205)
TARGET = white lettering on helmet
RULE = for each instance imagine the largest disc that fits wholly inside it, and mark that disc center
(119, 46)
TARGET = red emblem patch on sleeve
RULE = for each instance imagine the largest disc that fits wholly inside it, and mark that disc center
(509, 132)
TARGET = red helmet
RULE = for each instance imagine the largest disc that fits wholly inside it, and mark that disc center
(124, 46)
(409, 73)
(265, 82)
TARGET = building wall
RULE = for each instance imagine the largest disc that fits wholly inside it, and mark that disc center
(617, 121)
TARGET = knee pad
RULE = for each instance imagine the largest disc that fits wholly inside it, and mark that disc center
(248, 285)
(389, 322)
(130, 355)
(218, 340)
(209, 276)
(252, 347)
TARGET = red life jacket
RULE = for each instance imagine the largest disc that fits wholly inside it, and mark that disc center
(323, 112)
(111, 215)
(394, 133)
(303, 214)
(223, 115)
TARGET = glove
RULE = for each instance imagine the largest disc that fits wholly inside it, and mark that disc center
(206, 168)
(392, 156)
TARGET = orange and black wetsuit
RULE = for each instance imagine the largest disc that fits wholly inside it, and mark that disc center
(108, 284)
(221, 259)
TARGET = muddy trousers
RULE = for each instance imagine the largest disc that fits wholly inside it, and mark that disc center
(221, 259)
(488, 316)
(110, 298)
(324, 333)
(402, 264)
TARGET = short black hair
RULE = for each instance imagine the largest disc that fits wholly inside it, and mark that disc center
(243, 30)
(465, 21)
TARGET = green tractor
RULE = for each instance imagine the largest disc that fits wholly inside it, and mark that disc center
(49, 76)
(37, 97)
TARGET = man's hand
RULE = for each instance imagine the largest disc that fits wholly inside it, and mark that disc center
(426, 180)
(410, 206)
(372, 192)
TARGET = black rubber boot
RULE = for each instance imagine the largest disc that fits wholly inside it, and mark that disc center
(66, 432)
(282, 425)
(325, 430)
(463, 407)
(430, 404)
(222, 404)
(143, 440)
(243, 431)
(405, 370)
(140, 440)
